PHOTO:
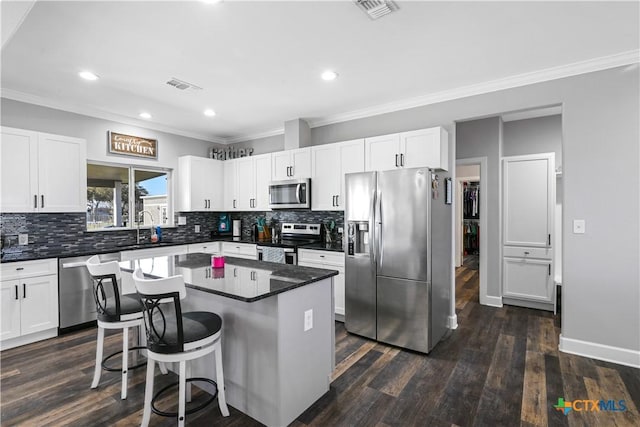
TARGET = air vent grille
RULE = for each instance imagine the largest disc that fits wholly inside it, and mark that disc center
(376, 8)
(182, 85)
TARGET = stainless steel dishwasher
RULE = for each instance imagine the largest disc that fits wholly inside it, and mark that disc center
(75, 291)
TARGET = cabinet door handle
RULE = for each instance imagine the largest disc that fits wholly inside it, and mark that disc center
(35, 200)
(24, 290)
(16, 286)
(293, 170)
(337, 200)
(234, 203)
(549, 239)
(549, 270)
(42, 201)
(396, 160)
(333, 200)
(526, 252)
(19, 268)
(401, 159)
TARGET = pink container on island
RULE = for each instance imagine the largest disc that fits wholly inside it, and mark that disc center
(217, 261)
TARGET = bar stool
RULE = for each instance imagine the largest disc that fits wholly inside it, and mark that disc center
(174, 336)
(115, 311)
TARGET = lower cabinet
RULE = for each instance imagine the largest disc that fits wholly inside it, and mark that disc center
(28, 302)
(528, 282)
(240, 250)
(206, 247)
(330, 261)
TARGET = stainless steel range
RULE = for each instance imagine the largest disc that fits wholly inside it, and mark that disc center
(292, 235)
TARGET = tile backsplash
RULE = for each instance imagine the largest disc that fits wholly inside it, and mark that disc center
(64, 234)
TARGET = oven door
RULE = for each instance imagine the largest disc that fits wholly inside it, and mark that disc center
(295, 193)
(290, 255)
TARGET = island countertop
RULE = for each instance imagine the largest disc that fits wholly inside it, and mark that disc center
(240, 279)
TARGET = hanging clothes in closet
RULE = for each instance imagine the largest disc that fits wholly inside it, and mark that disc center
(471, 214)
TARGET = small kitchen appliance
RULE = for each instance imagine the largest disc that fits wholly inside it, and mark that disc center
(237, 228)
(224, 225)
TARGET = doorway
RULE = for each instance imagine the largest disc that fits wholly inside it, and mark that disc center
(471, 220)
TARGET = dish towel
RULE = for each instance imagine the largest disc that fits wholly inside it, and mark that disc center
(271, 254)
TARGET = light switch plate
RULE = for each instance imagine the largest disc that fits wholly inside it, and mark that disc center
(308, 320)
(23, 239)
(579, 226)
(197, 228)
(182, 220)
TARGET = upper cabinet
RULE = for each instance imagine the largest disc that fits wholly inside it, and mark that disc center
(329, 164)
(247, 183)
(419, 148)
(291, 164)
(42, 172)
(528, 184)
(201, 184)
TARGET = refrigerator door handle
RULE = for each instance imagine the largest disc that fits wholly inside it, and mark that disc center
(380, 235)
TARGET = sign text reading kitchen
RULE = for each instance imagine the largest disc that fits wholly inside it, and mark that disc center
(129, 145)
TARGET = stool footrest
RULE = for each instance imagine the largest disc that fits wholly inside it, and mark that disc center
(188, 411)
(106, 368)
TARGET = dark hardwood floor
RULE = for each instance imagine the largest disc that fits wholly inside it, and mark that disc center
(501, 367)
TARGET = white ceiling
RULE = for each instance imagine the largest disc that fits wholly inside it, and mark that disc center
(259, 62)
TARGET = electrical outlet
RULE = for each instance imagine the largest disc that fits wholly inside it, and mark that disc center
(579, 226)
(340, 230)
(308, 320)
(23, 239)
(197, 228)
(182, 220)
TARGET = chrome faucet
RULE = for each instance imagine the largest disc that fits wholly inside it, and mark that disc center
(140, 219)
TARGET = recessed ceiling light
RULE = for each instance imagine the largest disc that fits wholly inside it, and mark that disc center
(209, 112)
(145, 115)
(329, 75)
(88, 75)
(211, 1)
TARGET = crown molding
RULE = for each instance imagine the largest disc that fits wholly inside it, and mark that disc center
(248, 137)
(101, 114)
(553, 73)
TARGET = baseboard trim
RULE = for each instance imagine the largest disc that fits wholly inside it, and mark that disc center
(28, 339)
(621, 356)
(491, 301)
(453, 322)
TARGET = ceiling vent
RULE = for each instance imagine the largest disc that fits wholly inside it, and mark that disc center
(376, 8)
(182, 85)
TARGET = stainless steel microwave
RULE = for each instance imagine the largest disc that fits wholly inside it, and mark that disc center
(290, 194)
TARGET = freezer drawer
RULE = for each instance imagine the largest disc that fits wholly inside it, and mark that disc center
(403, 313)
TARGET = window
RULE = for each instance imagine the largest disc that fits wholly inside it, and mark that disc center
(110, 198)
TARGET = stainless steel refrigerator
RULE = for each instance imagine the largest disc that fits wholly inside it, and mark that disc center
(398, 258)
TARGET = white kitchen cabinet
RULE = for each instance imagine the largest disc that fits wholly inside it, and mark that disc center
(42, 172)
(528, 278)
(528, 226)
(207, 248)
(154, 252)
(201, 184)
(253, 174)
(291, 164)
(29, 302)
(239, 250)
(329, 164)
(230, 185)
(331, 261)
(419, 148)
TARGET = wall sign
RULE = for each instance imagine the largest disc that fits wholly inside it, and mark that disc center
(128, 145)
(229, 153)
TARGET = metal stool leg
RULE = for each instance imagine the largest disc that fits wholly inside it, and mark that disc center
(125, 359)
(148, 393)
(222, 400)
(188, 391)
(99, 350)
(181, 393)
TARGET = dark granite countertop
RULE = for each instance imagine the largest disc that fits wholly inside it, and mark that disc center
(333, 246)
(240, 279)
(27, 255)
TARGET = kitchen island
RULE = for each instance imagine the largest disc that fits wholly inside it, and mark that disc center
(278, 341)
